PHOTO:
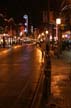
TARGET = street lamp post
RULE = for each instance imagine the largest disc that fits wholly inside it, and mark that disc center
(46, 33)
(58, 22)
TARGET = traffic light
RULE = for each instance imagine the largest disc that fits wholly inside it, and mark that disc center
(25, 17)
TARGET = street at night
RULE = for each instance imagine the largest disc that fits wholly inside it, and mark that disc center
(35, 54)
(20, 70)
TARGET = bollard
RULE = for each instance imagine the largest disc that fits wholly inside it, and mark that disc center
(47, 78)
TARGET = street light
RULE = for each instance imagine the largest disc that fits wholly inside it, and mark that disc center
(46, 33)
(26, 23)
(58, 22)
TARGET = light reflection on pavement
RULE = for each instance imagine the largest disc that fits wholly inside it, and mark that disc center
(61, 83)
(20, 69)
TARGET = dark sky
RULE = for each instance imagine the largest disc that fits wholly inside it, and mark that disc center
(17, 8)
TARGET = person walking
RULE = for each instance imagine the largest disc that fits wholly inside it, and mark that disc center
(47, 49)
(43, 48)
(4, 43)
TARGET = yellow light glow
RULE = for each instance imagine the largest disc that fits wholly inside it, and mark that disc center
(39, 55)
(46, 32)
(17, 46)
(63, 36)
(3, 52)
(42, 34)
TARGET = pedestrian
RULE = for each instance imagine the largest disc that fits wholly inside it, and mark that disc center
(4, 43)
(47, 49)
(43, 45)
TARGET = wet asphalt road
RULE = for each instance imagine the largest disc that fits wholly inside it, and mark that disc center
(20, 69)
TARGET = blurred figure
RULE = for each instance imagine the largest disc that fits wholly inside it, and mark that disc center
(43, 48)
(4, 43)
(47, 49)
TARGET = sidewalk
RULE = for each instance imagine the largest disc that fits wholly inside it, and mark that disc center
(60, 81)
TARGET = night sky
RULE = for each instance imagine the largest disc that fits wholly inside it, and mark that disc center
(17, 8)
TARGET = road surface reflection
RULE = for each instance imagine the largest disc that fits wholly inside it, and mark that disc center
(20, 69)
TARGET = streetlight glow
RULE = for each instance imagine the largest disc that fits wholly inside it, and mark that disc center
(42, 34)
(58, 21)
(46, 32)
